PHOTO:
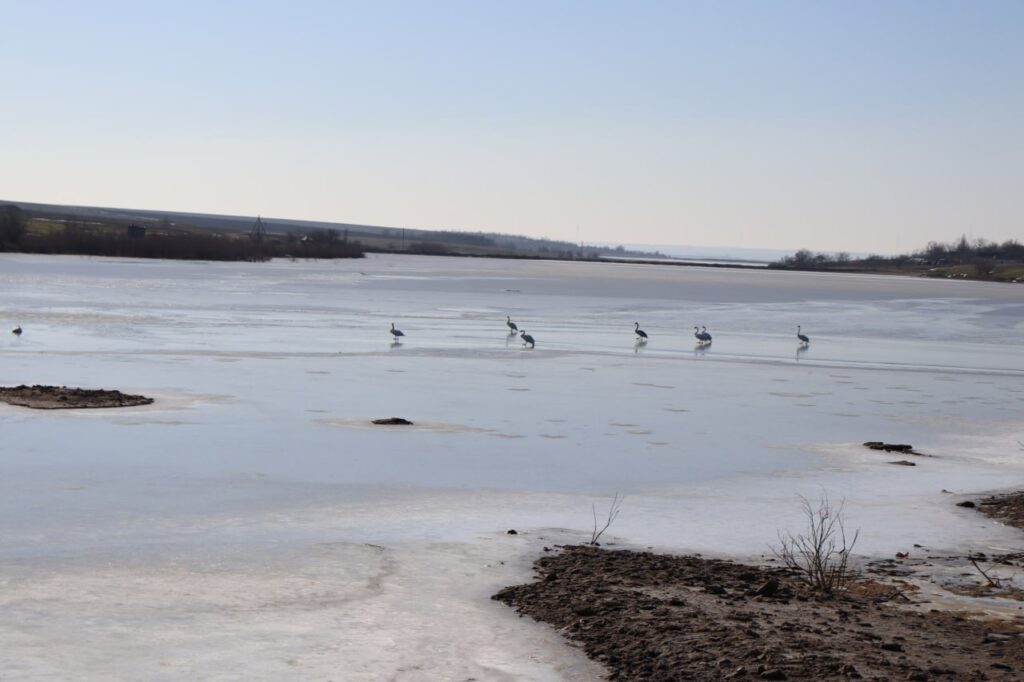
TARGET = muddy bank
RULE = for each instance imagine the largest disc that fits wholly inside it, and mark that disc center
(62, 397)
(1007, 508)
(658, 617)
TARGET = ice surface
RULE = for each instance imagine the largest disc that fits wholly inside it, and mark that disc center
(252, 524)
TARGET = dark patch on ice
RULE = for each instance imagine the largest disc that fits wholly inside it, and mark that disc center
(392, 421)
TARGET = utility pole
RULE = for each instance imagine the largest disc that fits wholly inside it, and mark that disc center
(258, 231)
(257, 234)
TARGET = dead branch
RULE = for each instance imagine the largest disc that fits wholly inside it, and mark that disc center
(613, 513)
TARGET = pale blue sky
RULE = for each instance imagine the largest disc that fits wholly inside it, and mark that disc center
(867, 126)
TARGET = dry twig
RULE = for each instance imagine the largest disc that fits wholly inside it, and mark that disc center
(992, 582)
(613, 513)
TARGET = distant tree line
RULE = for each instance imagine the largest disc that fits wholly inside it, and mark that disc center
(961, 252)
(12, 227)
(980, 259)
(118, 240)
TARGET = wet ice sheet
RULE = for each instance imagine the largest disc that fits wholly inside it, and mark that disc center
(216, 504)
(320, 611)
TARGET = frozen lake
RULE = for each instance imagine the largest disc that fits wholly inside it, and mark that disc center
(250, 524)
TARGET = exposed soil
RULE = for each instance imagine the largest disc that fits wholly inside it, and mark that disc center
(62, 397)
(904, 448)
(392, 421)
(1008, 508)
(657, 617)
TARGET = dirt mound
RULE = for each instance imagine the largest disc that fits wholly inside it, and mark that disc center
(657, 617)
(62, 397)
(392, 421)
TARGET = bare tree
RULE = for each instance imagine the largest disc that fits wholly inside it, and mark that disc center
(613, 513)
(821, 556)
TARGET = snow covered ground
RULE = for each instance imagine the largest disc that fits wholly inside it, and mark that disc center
(250, 524)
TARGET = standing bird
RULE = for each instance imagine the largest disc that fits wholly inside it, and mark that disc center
(705, 336)
(512, 328)
(527, 339)
(804, 340)
(641, 334)
(696, 333)
(17, 330)
(396, 332)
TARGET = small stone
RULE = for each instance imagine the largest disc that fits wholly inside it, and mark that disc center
(773, 674)
(849, 670)
(511, 531)
(892, 646)
(392, 421)
(903, 463)
(966, 503)
(770, 587)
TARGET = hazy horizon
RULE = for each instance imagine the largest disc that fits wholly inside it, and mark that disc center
(865, 127)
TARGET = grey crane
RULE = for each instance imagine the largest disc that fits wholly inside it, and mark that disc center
(396, 333)
(804, 339)
(527, 339)
(640, 332)
(512, 328)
